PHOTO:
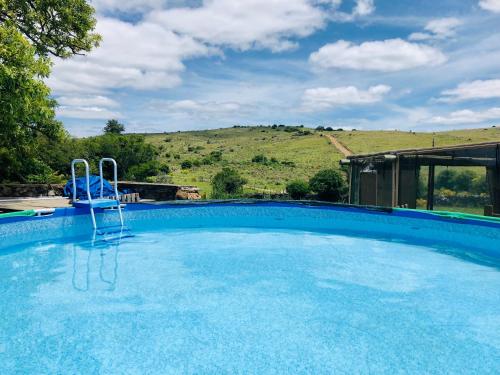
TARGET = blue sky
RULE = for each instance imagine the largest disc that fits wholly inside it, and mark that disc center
(168, 65)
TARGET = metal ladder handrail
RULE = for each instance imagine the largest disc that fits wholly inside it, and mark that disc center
(87, 181)
(115, 184)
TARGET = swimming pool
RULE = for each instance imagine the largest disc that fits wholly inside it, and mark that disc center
(250, 288)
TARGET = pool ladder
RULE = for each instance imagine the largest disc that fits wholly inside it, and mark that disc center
(101, 202)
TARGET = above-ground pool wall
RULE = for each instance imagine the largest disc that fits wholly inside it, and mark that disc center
(406, 225)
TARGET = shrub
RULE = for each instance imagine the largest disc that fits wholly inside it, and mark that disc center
(227, 183)
(164, 168)
(141, 172)
(187, 164)
(262, 159)
(297, 189)
(216, 155)
(320, 128)
(328, 184)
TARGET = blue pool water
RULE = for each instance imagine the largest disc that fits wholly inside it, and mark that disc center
(248, 298)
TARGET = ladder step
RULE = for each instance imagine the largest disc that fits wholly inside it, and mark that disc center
(112, 229)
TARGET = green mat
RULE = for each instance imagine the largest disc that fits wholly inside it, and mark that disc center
(18, 213)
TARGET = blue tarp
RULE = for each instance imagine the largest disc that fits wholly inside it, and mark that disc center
(95, 188)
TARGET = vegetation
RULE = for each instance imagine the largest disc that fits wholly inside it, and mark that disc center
(329, 184)
(298, 189)
(287, 156)
(114, 127)
(29, 32)
(227, 184)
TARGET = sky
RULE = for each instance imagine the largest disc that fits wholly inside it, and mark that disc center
(169, 65)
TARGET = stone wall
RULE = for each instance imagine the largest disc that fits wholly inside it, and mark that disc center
(31, 190)
(159, 192)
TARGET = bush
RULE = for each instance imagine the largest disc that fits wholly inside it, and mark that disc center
(227, 184)
(262, 159)
(328, 184)
(142, 172)
(297, 189)
(187, 164)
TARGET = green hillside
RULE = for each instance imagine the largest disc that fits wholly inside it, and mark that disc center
(374, 141)
(290, 155)
(291, 152)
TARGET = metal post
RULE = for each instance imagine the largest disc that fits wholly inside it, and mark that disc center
(430, 188)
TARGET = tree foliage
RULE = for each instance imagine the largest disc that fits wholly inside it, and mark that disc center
(114, 127)
(26, 108)
(227, 184)
(58, 27)
(329, 184)
(298, 189)
(30, 30)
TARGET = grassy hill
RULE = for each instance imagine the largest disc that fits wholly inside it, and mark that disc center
(375, 141)
(292, 153)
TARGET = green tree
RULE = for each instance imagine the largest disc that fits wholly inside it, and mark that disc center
(58, 27)
(446, 179)
(29, 32)
(464, 180)
(26, 108)
(114, 127)
(329, 184)
(227, 184)
(298, 189)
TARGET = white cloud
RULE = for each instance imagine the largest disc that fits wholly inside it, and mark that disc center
(466, 116)
(473, 90)
(87, 113)
(249, 24)
(194, 108)
(87, 101)
(326, 98)
(491, 5)
(441, 28)
(140, 56)
(125, 6)
(364, 7)
(388, 55)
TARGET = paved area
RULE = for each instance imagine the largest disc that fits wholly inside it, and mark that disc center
(21, 204)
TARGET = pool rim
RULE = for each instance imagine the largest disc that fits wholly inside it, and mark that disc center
(315, 205)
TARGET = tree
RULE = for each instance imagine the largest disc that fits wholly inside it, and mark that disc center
(446, 179)
(114, 127)
(26, 108)
(227, 183)
(58, 27)
(30, 30)
(298, 189)
(328, 184)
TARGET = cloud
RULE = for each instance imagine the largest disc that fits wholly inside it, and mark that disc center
(364, 7)
(243, 25)
(142, 56)
(87, 113)
(194, 108)
(323, 98)
(491, 5)
(473, 90)
(466, 116)
(87, 101)
(134, 6)
(441, 28)
(386, 56)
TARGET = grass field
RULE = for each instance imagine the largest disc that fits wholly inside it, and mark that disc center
(295, 156)
(361, 142)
